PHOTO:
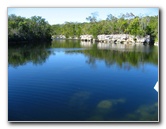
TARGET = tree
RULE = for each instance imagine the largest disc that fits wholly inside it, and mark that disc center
(110, 17)
(28, 29)
(134, 27)
(93, 17)
(125, 23)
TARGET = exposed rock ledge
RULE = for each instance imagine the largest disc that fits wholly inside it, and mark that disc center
(123, 38)
(113, 38)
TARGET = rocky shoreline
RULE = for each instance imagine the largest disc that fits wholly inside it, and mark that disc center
(113, 38)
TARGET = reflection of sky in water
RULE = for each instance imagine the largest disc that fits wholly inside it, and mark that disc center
(67, 87)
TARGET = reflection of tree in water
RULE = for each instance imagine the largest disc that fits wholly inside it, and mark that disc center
(124, 59)
(65, 44)
(24, 53)
(132, 58)
(91, 61)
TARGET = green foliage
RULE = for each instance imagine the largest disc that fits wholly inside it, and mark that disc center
(134, 27)
(28, 29)
(125, 24)
(152, 28)
(36, 28)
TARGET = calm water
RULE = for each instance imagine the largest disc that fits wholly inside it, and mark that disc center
(73, 81)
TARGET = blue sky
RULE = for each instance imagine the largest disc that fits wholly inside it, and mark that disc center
(60, 15)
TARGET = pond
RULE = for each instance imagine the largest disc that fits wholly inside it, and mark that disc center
(70, 80)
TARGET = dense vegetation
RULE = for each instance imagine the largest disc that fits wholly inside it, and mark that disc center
(28, 29)
(124, 24)
(36, 28)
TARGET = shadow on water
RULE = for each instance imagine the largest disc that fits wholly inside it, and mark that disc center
(20, 54)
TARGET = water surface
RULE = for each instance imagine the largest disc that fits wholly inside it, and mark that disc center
(69, 80)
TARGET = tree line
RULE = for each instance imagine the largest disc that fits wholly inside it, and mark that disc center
(37, 28)
(125, 24)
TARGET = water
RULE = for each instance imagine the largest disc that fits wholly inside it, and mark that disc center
(73, 81)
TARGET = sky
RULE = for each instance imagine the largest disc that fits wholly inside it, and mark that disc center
(61, 15)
